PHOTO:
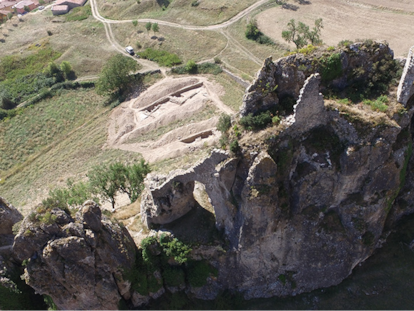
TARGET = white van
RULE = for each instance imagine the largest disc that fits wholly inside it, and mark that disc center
(130, 50)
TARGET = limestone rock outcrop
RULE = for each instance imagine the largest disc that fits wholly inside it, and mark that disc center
(77, 260)
(295, 211)
(168, 198)
(9, 215)
(310, 112)
(284, 78)
(312, 202)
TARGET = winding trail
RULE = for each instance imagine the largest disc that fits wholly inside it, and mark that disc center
(148, 65)
(188, 27)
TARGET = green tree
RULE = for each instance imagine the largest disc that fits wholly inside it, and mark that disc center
(135, 23)
(72, 194)
(224, 123)
(252, 32)
(191, 66)
(114, 76)
(26, 8)
(315, 33)
(295, 34)
(133, 183)
(106, 180)
(42, 2)
(155, 28)
(9, 16)
(66, 68)
(300, 34)
(6, 101)
(148, 26)
(53, 71)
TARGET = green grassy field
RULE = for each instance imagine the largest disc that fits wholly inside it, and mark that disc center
(56, 139)
(233, 92)
(40, 125)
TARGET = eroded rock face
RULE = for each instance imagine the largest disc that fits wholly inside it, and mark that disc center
(285, 77)
(310, 112)
(9, 215)
(79, 260)
(313, 202)
(168, 198)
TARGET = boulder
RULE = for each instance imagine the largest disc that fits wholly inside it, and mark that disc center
(78, 261)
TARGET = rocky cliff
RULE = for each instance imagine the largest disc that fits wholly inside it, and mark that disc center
(9, 216)
(296, 207)
(303, 205)
(78, 260)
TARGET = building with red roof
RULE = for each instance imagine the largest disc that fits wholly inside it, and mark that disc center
(25, 6)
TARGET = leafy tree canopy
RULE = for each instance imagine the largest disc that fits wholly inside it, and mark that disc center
(300, 33)
(114, 77)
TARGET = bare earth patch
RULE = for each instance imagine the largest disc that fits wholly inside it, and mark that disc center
(348, 20)
(176, 104)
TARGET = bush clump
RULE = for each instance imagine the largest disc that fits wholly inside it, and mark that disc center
(224, 123)
(258, 122)
(234, 146)
(253, 33)
(173, 247)
(380, 104)
(163, 58)
(192, 68)
(79, 13)
(331, 67)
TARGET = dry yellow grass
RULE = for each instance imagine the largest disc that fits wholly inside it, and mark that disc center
(83, 44)
(180, 11)
(346, 20)
(187, 44)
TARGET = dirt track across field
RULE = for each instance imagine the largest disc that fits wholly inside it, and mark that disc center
(349, 20)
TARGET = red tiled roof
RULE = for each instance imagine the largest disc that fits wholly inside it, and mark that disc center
(5, 4)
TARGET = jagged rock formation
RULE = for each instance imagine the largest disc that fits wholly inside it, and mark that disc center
(406, 87)
(284, 78)
(298, 210)
(165, 201)
(9, 215)
(77, 260)
(309, 112)
(313, 204)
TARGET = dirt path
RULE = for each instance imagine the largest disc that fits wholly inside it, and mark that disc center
(147, 65)
(188, 27)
